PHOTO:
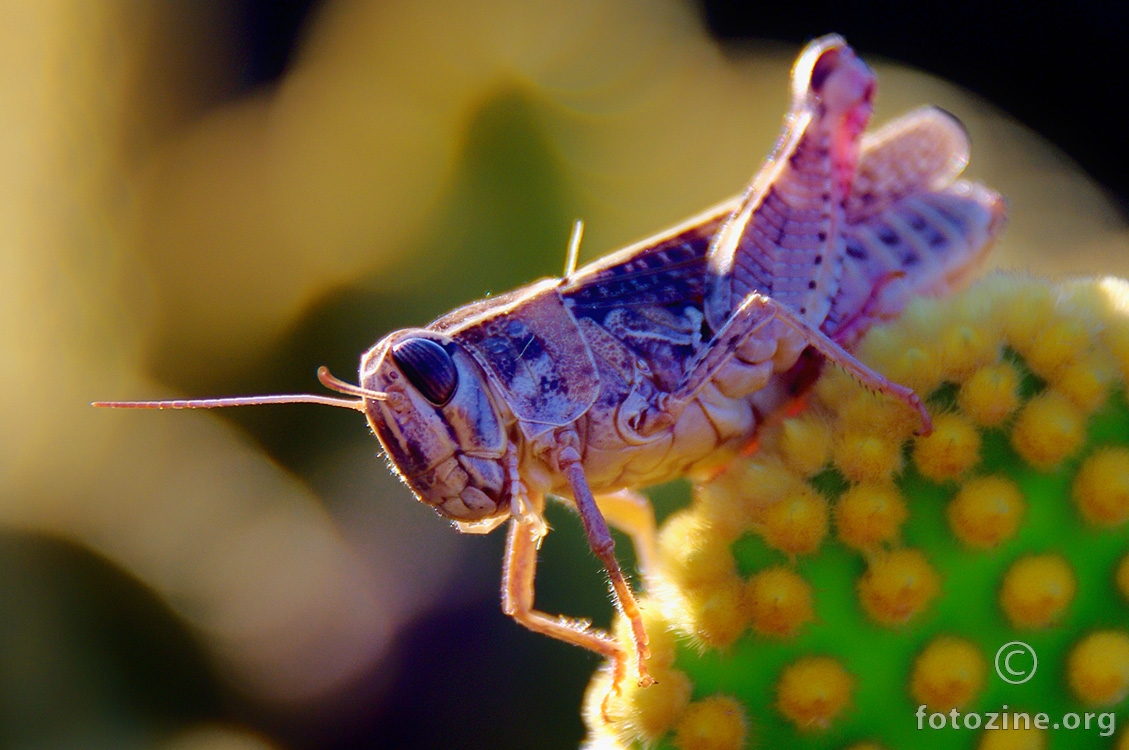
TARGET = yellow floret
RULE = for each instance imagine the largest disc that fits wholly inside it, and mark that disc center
(1037, 589)
(1101, 488)
(897, 586)
(1025, 312)
(948, 674)
(714, 723)
(689, 551)
(721, 509)
(879, 347)
(1085, 382)
(863, 411)
(1049, 429)
(834, 387)
(899, 355)
(1116, 337)
(964, 347)
(986, 511)
(916, 367)
(713, 615)
(812, 691)
(991, 394)
(805, 443)
(1098, 668)
(865, 456)
(634, 714)
(868, 515)
(797, 524)
(780, 602)
(1065, 340)
(1024, 738)
(735, 500)
(952, 449)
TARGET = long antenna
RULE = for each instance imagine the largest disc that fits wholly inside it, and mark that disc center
(326, 378)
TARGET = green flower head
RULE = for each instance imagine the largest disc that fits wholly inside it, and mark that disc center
(851, 585)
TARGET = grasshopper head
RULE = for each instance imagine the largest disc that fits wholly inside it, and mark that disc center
(439, 424)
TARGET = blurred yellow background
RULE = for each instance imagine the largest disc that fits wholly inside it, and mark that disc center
(165, 231)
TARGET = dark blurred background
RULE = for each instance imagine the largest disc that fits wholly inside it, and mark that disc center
(1060, 68)
(1057, 67)
(460, 674)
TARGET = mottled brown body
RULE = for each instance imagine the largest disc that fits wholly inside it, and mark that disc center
(658, 360)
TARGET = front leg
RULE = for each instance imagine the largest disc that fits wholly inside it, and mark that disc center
(567, 457)
(518, 598)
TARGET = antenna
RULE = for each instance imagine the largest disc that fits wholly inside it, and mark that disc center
(574, 247)
(326, 378)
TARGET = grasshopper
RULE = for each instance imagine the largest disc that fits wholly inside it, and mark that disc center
(654, 361)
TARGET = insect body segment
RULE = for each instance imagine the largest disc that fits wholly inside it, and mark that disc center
(660, 360)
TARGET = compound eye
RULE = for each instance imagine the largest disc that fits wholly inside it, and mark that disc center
(428, 367)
